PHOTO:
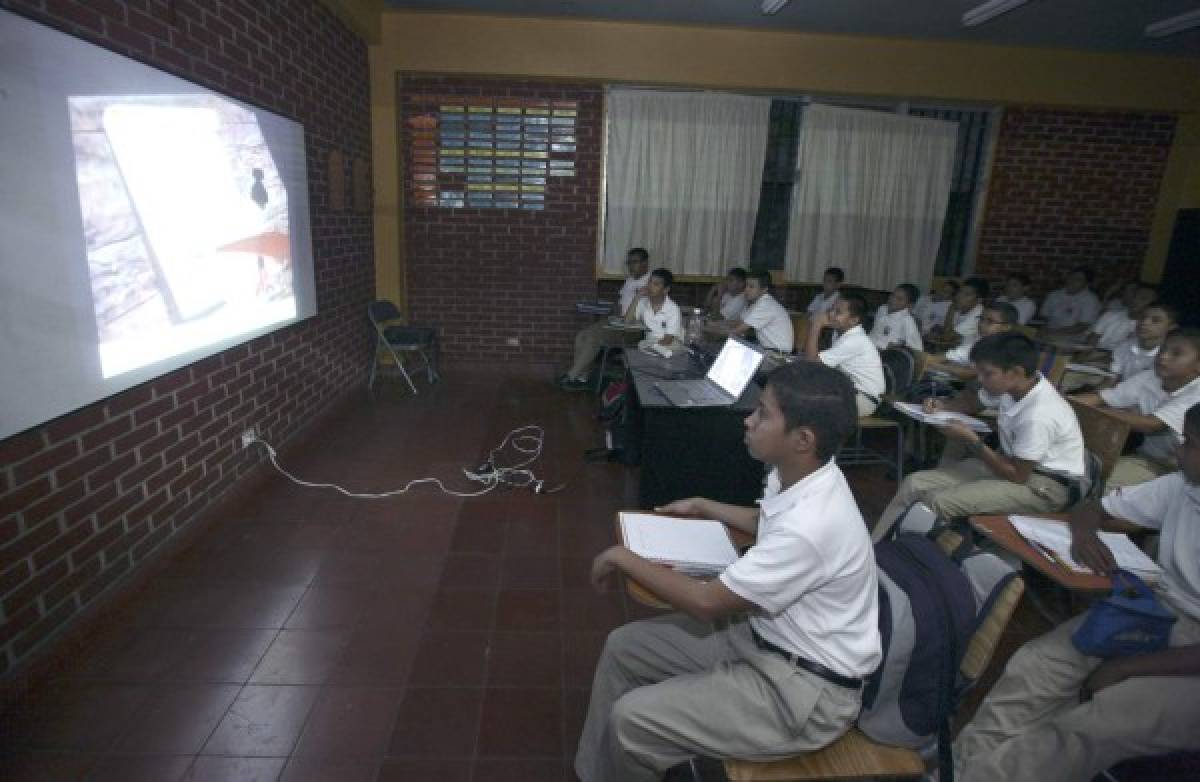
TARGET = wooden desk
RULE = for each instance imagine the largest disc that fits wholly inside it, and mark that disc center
(1001, 531)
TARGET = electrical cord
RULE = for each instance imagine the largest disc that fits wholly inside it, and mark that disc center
(526, 440)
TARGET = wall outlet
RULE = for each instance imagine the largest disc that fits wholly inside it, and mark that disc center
(513, 342)
(249, 437)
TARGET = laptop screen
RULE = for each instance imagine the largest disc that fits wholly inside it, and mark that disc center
(735, 365)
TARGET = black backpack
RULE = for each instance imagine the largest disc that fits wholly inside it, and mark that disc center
(899, 370)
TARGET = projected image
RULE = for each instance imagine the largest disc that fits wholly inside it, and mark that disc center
(185, 218)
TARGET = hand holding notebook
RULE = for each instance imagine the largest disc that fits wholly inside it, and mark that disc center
(697, 547)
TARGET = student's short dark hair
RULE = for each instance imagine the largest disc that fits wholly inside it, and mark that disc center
(1189, 333)
(818, 397)
(761, 276)
(738, 272)
(665, 275)
(1020, 277)
(981, 286)
(1006, 311)
(835, 272)
(1172, 312)
(639, 253)
(911, 291)
(1088, 273)
(1191, 419)
(1007, 351)
(855, 303)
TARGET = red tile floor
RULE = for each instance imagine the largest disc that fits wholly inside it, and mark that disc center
(308, 636)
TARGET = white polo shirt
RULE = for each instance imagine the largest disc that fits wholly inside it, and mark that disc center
(1025, 306)
(966, 324)
(1171, 505)
(667, 320)
(771, 323)
(812, 574)
(854, 353)
(822, 303)
(895, 327)
(1040, 428)
(930, 313)
(1144, 392)
(1063, 310)
(732, 305)
(961, 354)
(1129, 358)
(630, 289)
(1113, 327)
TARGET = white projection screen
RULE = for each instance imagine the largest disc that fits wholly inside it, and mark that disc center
(145, 223)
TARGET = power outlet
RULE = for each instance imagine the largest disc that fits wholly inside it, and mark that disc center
(513, 342)
(249, 437)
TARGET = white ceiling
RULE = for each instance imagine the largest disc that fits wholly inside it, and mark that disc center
(1100, 25)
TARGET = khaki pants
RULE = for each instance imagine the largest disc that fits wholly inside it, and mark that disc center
(1132, 470)
(670, 688)
(968, 488)
(588, 342)
(1032, 725)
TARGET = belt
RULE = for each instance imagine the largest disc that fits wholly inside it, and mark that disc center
(1071, 485)
(808, 665)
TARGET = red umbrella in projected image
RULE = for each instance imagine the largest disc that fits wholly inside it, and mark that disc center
(271, 243)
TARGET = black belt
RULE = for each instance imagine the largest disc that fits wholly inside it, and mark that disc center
(1071, 485)
(814, 668)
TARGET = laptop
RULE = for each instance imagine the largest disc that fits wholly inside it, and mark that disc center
(727, 378)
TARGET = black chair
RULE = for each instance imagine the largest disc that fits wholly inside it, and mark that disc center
(394, 338)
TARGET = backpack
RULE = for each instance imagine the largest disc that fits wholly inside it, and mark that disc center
(899, 369)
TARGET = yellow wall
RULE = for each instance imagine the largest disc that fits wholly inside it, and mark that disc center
(728, 58)
(1180, 190)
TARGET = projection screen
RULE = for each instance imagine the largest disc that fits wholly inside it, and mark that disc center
(145, 223)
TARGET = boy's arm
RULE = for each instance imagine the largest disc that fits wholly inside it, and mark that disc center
(1086, 547)
(736, 516)
(1005, 467)
(1180, 661)
(631, 311)
(816, 322)
(704, 600)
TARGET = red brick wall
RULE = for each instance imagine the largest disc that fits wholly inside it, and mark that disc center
(1073, 188)
(86, 497)
(486, 275)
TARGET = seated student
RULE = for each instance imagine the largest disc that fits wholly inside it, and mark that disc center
(1058, 714)
(1073, 307)
(1016, 293)
(961, 326)
(656, 312)
(930, 310)
(997, 318)
(831, 282)
(894, 323)
(852, 351)
(590, 340)
(1137, 353)
(1116, 324)
(1153, 403)
(1039, 467)
(788, 678)
(727, 299)
(770, 321)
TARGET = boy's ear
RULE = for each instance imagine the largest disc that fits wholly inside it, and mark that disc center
(803, 439)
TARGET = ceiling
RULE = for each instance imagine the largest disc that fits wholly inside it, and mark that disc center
(1099, 25)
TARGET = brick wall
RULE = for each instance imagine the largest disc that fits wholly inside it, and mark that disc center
(87, 497)
(1072, 188)
(486, 275)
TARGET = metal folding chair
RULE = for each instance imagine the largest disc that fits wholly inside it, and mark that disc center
(394, 339)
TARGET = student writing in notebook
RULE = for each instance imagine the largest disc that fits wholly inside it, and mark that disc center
(788, 678)
(1058, 714)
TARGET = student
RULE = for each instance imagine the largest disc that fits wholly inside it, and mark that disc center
(727, 299)
(962, 320)
(656, 312)
(788, 678)
(852, 351)
(1058, 714)
(1072, 308)
(930, 311)
(1016, 293)
(770, 321)
(1137, 353)
(590, 340)
(1039, 467)
(1153, 403)
(894, 323)
(1116, 324)
(997, 318)
(831, 282)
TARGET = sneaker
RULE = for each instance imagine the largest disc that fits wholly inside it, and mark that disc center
(575, 384)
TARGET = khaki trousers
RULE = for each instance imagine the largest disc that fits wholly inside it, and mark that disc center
(1032, 725)
(670, 688)
(588, 342)
(968, 488)
(1133, 469)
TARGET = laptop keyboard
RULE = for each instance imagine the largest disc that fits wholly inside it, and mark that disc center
(703, 392)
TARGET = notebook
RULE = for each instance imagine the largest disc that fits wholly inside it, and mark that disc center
(725, 381)
(1053, 538)
(941, 417)
(696, 547)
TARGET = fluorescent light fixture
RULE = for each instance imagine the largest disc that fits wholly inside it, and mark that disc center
(772, 6)
(1175, 24)
(989, 10)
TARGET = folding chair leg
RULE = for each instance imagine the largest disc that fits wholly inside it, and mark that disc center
(603, 365)
(900, 454)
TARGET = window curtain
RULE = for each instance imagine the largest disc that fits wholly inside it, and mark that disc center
(870, 196)
(683, 177)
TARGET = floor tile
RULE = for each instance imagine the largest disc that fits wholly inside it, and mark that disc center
(322, 769)
(177, 719)
(301, 657)
(350, 722)
(585, 609)
(450, 659)
(525, 660)
(426, 770)
(348, 568)
(377, 655)
(234, 769)
(470, 571)
(437, 722)
(462, 609)
(531, 538)
(533, 572)
(478, 536)
(28, 766)
(521, 722)
(263, 721)
(581, 651)
(528, 610)
(575, 706)
(141, 768)
(81, 717)
(517, 769)
(221, 655)
(329, 607)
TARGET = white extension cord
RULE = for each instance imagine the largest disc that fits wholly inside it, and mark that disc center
(527, 440)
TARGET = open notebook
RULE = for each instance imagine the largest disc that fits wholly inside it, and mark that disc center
(1055, 537)
(941, 417)
(696, 547)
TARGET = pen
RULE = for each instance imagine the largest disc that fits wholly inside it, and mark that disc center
(1049, 554)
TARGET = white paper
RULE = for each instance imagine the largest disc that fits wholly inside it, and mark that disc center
(941, 417)
(1088, 369)
(690, 544)
(1056, 536)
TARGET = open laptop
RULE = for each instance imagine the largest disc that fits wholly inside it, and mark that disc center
(727, 378)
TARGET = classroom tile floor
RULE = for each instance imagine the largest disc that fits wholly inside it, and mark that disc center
(308, 636)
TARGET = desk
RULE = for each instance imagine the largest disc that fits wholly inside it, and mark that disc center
(688, 451)
(1001, 531)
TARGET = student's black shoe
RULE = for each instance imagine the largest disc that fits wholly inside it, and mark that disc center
(571, 384)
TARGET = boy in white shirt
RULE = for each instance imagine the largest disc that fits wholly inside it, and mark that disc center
(1153, 403)
(997, 318)
(930, 311)
(727, 299)
(962, 320)
(831, 282)
(1016, 293)
(1039, 467)
(1137, 353)
(590, 340)
(1116, 325)
(1059, 714)
(1072, 308)
(656, 312)
(894, 323)
(852, 351)
(788, 678)
(771, 323)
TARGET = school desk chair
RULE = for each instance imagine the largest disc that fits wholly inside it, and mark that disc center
(395, 339)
